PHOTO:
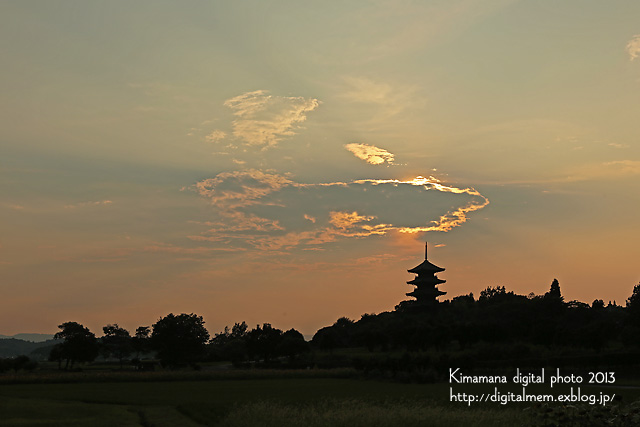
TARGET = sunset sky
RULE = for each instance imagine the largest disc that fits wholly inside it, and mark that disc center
(285, 161)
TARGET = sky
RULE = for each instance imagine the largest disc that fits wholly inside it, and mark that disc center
(285, 162)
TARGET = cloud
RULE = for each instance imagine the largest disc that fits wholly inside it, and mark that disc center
(14, 206)
(389, 102)
(623, 167)
(240, 188)
(262, 120)
(268, 211)
(169, 248)
(345, 220)
(86, 204)
(633, 47)
(605, 170)
(370, 154)
(362, 89)
(616, 145)
(215, 136)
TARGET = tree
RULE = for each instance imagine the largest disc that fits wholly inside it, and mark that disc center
(140, 341)
(231, 344)
(292, 344)
(633, 302)
(179, 339)
(116, 342)
(497, 294)
(23, 362)
(263, 341)
(633, 319)
(554, 292)
(79, 344)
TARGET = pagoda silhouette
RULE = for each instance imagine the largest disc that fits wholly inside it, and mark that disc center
(426, 282)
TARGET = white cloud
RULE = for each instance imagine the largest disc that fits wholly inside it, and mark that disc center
(370, 153)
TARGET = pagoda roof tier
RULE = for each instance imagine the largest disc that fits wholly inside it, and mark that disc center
(426, 267)
(426, 281)
(422, 293)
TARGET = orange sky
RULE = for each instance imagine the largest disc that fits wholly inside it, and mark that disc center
(285, 163)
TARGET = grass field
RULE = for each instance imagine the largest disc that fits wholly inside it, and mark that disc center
(267, 399)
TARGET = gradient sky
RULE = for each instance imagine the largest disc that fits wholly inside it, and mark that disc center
(285, 161)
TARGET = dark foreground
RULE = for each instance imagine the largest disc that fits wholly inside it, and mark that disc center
(276, 398)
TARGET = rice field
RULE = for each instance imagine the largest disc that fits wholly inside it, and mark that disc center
(238, 399)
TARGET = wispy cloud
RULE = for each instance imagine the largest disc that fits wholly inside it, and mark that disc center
(370, 153)
(616, 145)
(389, 101)
(241, 188)
(14, 206)
(247, 203)
(604, 170)
(633, 47)
(215, 136)
(87, 204)
(262, 120)
(173, 249)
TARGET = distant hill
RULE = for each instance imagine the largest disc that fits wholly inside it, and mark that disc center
(12, 347)
(29, 337)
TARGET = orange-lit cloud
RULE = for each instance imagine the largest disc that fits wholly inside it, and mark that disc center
(247, 204)
(263, 120)
(370, 154)
(633, 47)
(216, 136)
(347, 219)
(168, 248)
(241, 187)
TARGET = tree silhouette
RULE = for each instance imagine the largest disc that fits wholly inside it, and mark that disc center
(140, 341)
(231, 344)
(292, 344)
(633, 302)
(117, 342)
(632, 333)
(554, 292)
(263, 342)
(79, 345)
(180, 339)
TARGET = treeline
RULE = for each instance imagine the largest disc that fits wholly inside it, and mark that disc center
(17, 364)
(176, 341)
(496, 329)
(498, 326)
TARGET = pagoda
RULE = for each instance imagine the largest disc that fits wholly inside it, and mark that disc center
(426, 282)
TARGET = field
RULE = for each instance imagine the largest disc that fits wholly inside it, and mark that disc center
(263, 398)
